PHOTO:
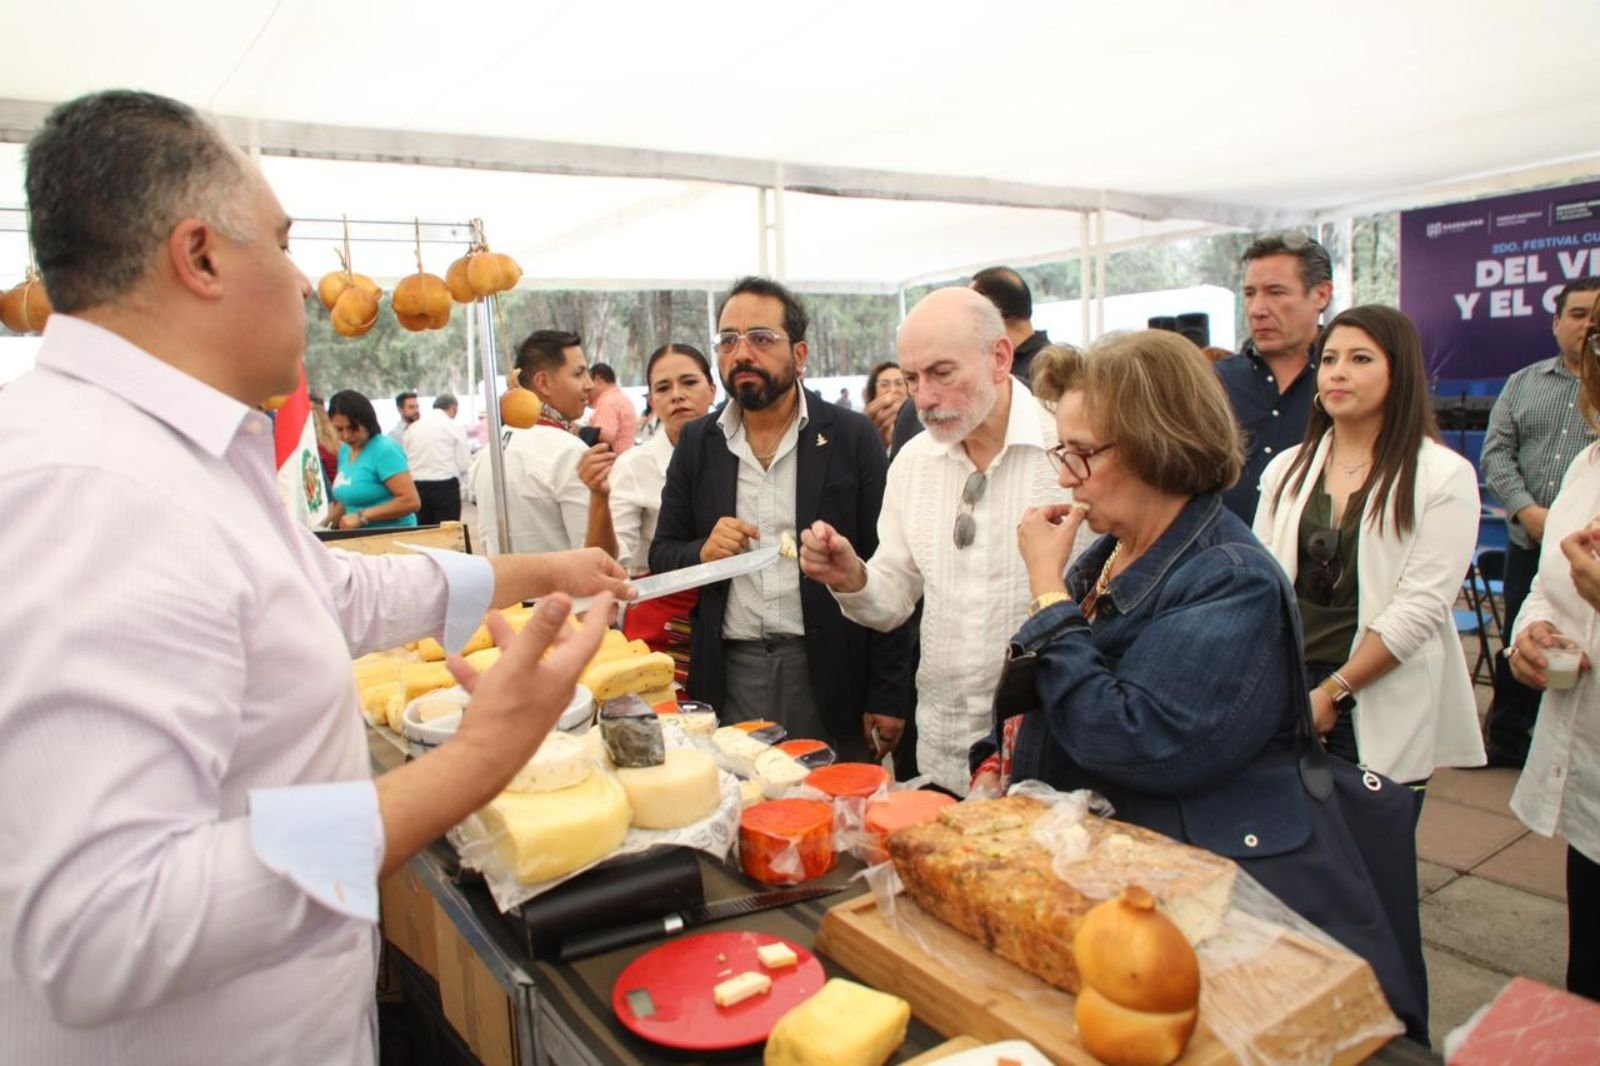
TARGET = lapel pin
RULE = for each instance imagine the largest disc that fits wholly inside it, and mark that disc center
(821, 440)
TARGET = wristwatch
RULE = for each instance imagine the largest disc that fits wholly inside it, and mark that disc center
(1338, 693)
(1046, 599)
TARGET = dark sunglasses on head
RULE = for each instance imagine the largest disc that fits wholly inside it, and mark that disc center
(1323, 547)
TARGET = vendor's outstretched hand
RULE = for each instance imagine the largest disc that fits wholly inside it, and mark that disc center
(589, 572)
(517, 701)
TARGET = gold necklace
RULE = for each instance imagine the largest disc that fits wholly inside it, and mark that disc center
(1102, 584)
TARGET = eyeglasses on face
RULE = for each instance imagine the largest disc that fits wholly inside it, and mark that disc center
(966, 530)
(1323, 547)
(760, 338)
(1075, 461)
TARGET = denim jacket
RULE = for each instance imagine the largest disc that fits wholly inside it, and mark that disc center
(1177, 704)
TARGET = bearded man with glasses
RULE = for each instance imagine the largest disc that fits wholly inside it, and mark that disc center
(773, 459)
(947, 533)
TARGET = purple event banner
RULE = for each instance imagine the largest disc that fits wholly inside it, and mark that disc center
(1480, 278)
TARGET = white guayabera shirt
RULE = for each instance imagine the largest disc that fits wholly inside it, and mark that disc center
(974, 598)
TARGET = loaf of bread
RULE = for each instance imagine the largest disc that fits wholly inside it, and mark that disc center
(978, 868)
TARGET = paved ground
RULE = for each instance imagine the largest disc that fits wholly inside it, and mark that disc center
(1493, 894)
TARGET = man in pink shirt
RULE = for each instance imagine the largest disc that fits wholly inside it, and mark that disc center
(614, 415)
(192, 833)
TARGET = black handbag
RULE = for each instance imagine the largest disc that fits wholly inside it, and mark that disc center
(1360, 864)
(1017, 692)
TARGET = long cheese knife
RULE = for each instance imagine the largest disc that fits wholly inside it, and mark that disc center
(693, 577)
(593, 943)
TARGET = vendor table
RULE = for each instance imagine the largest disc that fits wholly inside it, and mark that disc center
(561, 1012)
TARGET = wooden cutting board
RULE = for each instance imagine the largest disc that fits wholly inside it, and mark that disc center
(957, 986)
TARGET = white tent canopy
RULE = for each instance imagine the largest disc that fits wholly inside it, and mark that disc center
(628, 144)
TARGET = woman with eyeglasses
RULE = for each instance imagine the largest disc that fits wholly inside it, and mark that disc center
(1375, 522)
(1165, 672)
(679, 379)
(1559, 790)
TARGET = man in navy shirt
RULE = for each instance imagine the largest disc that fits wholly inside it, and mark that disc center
(1288, 282)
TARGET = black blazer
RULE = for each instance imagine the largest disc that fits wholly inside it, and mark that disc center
(840, 479)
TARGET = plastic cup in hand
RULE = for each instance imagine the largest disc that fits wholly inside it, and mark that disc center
(1562, 657)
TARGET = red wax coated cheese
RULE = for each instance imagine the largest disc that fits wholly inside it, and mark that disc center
(855, 780)
(898, 810)
(811, 754)
(783, 842)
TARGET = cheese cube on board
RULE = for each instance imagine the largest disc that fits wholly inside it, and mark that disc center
(740, 988)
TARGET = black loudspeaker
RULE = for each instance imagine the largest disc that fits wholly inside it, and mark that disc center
(1196, 325)
(1166, 322)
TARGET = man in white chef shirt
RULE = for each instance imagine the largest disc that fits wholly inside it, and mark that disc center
(192, 834)
(947, 531)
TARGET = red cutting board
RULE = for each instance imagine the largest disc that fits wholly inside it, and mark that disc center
(665, 994)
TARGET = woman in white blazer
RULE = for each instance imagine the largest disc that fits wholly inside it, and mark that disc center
(1375, 523)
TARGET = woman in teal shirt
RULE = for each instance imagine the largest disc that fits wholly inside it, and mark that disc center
(374, 486)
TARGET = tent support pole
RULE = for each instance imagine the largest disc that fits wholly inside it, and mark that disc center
(711, 318)
(780, 254)
(491, 374)
(1085, 275)
(472, 377)
(761, 229)
(1100, 268)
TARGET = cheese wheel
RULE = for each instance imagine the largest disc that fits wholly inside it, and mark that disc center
(779, 770)
(682, 790)
(855, 780)
(844, 1024)
(899, 810)
(737, 749)
(562, 761)
(544, 835)
(782, 842)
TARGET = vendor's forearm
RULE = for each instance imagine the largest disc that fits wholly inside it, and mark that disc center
(421, 800)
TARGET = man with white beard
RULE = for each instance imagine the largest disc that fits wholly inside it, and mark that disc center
(947, 530)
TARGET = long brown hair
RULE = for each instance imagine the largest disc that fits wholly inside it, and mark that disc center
(1589, 368)
(1407, 418)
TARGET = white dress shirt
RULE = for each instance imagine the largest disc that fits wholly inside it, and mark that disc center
(767, 602)
(1559, 790)
(548, 504)
(436, 448)
(974, 598)
(637, 478)
(1422, 714)
(178, 710)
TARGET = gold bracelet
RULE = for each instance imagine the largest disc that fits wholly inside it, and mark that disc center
(1046, 599)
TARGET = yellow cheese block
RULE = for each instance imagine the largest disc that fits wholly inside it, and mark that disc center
(430, 650)
(383, 702)
(375, 670)
(638, 647)
(423, 678)
(845, 1024)
(638, 673)
(543, 835)
(680, 791)
(482, 660)
(479, 640)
